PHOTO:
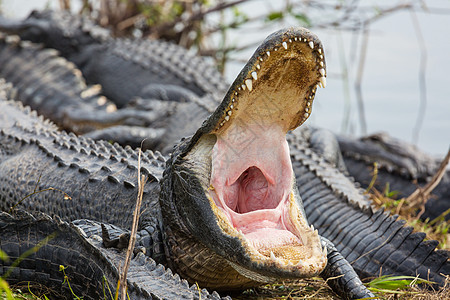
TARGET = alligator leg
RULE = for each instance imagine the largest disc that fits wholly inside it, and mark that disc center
(341, 276)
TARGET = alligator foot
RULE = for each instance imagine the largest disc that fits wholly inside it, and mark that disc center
(120, 242)
(341, 276)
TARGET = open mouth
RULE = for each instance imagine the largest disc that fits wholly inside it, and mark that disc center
(252, 188)
(253, 196)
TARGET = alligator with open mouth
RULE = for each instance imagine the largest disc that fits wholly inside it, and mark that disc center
(266, 238)
(209, 219)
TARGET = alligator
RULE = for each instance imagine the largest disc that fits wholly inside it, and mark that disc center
(401, 167)
(83, 42)
(171, 70)
(62, 96)
(193, 230)
(68, 245)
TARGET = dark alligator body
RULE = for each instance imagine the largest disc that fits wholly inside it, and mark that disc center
(370, 241)
(401, 166)
(62, 96)
(110, 62)
(59, 97)
(91, 268)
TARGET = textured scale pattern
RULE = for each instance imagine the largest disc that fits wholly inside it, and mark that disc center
(109, 172)
(370, 241)
(86, 262)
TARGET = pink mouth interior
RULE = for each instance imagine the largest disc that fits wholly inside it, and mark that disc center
(252, 180)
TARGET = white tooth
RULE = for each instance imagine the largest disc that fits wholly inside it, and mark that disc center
(295, 38)
(255, 76)
(284, 45)
(111, 108)
(268, 53)
(258, 66)
(101, 100)
(322, 71)
(321, 63)
(311, 44)
(290, 41)
(316, 232)
(319, 50)
(227, 118)
(272, 256)
(248, 83)
(317, 86)
(323, 81)
(243, 87)
(312, 227)
(229, 113)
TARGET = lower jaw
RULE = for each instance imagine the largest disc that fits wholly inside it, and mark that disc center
(200, 265)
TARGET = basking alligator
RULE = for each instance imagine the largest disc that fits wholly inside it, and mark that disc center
(62, 96)
(91, 268)
(59, 95)
(225, 226)
(401, 165)
(171, 70)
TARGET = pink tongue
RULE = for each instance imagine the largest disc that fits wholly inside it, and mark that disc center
(271, 238)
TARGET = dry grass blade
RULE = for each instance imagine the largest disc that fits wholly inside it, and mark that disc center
(123, 276)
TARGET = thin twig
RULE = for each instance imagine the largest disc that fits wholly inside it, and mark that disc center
(123, 276)
(422, 76)
(196, 16)
(359, 76)
(421, 195)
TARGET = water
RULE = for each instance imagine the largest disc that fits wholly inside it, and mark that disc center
(390, 82)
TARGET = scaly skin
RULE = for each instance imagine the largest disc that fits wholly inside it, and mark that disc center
(111, 62)
(62, 96)
(90, 267)
(372, 241)
(90, 165)
(401, 165)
